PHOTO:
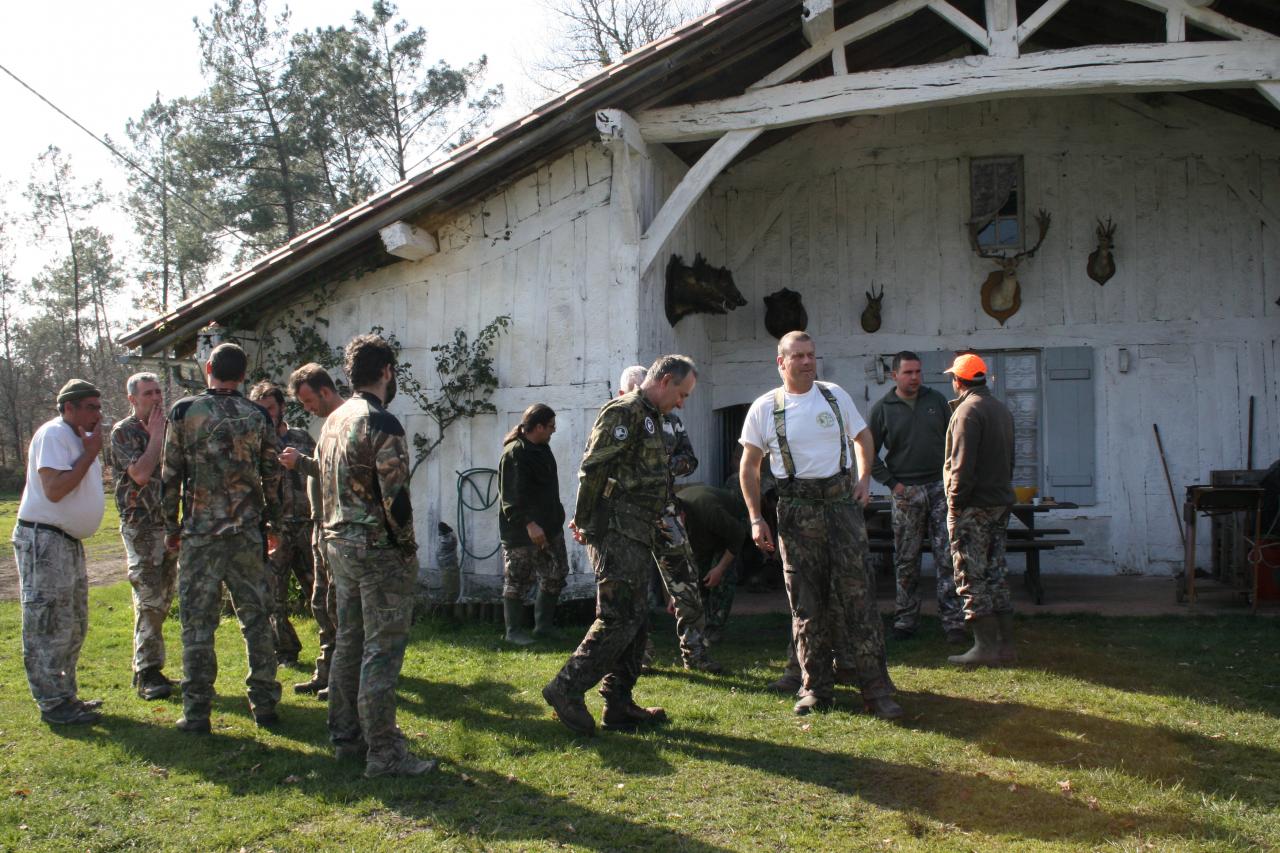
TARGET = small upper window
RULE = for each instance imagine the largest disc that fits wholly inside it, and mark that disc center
(995, 202)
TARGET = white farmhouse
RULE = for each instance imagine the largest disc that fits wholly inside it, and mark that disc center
(841, 147)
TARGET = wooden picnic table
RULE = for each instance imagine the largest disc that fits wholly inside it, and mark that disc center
(1028, 539)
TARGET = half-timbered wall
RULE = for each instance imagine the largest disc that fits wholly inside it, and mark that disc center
(883, 200)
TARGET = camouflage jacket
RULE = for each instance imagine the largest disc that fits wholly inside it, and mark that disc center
(295, 505)
(309, 468)
(220, 465)
(679, 448)
(364, 476)
(139, 506)
(625, 479)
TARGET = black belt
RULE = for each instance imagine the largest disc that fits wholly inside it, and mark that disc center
(35, 525)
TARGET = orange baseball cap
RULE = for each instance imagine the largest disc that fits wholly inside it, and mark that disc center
(968, 366)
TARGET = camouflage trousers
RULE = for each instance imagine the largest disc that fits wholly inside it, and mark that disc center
(523, 564)
(717, 600)
(823, 541)
(54, 589)
(614, 644)
(978, 537)
(324, 604)
(207, 564)
(918, 512)
(153, 574)
(291, 558)
(681, 580)
(842, 657)
(375, 610)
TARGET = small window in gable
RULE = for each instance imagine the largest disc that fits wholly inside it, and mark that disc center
(995, 201)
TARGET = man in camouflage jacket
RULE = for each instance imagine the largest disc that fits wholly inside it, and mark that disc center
(292, 557)
(136, 445)
(624, 485)
(373, 555)
(220, 468)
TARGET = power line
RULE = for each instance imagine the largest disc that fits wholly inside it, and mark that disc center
(208, 217)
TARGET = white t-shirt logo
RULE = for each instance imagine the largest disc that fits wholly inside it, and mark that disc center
(826, 420)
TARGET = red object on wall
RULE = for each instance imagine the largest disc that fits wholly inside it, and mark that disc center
(1265, 560)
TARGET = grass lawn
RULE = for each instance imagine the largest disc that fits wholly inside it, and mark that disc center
(103, 545)
(1137, 734)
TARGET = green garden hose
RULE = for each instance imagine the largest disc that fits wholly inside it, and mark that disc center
(487, 498)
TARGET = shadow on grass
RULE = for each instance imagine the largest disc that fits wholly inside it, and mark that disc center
(1223, 660)
(1069, 739)
(444, 801)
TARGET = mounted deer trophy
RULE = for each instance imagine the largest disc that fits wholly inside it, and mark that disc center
(1102, 265)
(1001, 294)
(699, 289)
(871, 314)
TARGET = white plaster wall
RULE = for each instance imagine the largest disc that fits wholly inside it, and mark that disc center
(883, 200)
(537, 250)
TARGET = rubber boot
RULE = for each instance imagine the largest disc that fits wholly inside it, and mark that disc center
(544, 614)
(1005, 648)
(984, 651)
(513, 615)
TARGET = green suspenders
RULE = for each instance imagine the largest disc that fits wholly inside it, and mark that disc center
(780, 426)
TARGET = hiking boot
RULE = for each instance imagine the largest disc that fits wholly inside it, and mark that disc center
(626, 715)
(90, 704)
(349, 749)
(704, 663)
(957, 637)
(70, 712)
(544, 614)
(788, 683)
(572, 711)
(152, 684)
(984, 648)
(811, 704)
(401, 763)
(513, 618)
(266, 719)
(323, 694)
(308, 688)
(1006, 651)
(884, 707)
(194, 727)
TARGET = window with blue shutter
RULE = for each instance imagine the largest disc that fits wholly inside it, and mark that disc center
(1070, 448)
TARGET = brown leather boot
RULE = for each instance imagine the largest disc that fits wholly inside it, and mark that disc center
(624, 715)
(571, 710)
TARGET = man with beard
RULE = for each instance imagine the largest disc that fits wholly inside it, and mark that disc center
(136, 445)
(292, 557)
(370, 545)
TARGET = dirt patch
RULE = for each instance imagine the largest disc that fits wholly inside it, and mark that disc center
(101, 573)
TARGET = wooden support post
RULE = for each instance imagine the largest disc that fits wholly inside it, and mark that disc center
(688, 191)
(1002, 28)
(1175, 26)
(818, 20)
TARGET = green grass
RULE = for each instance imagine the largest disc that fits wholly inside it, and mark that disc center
(103, 545)
(1116, 734)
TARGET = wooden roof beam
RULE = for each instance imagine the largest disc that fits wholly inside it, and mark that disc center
(1111, 68)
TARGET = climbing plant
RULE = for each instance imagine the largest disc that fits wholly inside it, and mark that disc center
(467, 380)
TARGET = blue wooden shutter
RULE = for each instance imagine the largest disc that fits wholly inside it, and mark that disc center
(1070, 449)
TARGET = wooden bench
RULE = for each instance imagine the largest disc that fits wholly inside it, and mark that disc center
(1024, 540)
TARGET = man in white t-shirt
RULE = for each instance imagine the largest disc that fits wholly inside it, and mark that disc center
(808, 429)
(61, 505)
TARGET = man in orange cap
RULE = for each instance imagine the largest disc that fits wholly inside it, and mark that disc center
(977, 474)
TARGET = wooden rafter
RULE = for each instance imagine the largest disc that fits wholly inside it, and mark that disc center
(1111, 68)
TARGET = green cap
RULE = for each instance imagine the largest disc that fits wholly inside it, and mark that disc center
(77, 389)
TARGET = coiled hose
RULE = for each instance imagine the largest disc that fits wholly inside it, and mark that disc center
(468, 485)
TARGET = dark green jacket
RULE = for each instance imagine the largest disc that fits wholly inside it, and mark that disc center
(528, 490)
(716, 521)
(914, 437)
